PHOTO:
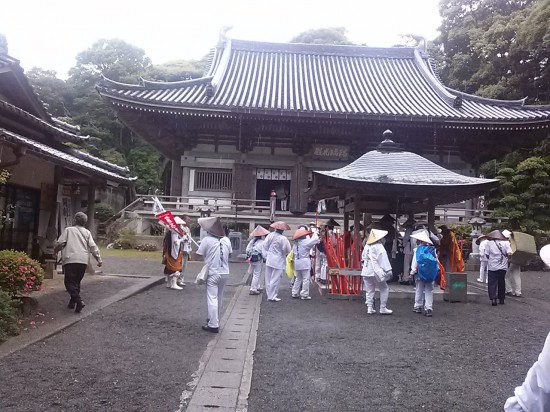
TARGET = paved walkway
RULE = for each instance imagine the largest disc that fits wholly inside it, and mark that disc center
(225, 372)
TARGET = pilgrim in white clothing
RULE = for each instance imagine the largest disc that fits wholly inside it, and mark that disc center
(376, 266)
(303, 244)
(275, 248)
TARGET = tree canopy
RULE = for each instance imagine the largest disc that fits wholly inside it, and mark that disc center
(496, 48)
(330, 35)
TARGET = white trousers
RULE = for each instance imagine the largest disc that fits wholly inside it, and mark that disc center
(513, 279)
(321, 266)
(181, 276)
(424, 291)
(272, 280)
(407, 260)
(302, 279)
(256, 270)
(370, 283)
(214, 297)
(483, 274)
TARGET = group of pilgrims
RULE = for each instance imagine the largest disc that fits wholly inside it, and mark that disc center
(422, 259)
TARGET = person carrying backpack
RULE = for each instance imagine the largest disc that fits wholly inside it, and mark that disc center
(255, 258)
(424, 267)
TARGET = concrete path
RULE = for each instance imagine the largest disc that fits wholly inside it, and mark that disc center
(225, 372)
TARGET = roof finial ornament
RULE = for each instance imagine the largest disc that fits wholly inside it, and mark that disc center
(388, 145)
(222, 39)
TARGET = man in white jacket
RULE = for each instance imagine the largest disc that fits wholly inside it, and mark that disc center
(302, 262)
(275, 248)
(76, 243)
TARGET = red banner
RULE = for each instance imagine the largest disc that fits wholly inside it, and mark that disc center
(168, 219)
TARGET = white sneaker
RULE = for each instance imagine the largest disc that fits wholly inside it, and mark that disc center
(480, 280)
(305, 297)
(275, 300)
(371, 310)
(385, 311)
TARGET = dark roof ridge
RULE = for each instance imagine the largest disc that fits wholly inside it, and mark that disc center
(92, 159)
(57, 131)
(486, 100)
(154, 85)
(437, 86)
(326, 49)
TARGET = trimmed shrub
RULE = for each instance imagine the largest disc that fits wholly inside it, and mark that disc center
(103, 211)
(19, 274)
(8, 317)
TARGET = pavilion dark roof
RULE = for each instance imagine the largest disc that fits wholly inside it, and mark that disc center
(309, 80)
(389, 171)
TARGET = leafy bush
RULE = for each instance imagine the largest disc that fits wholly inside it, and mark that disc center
(127, 239)
(19, 273)
(8, 317)
(103, 211)
(147, 247)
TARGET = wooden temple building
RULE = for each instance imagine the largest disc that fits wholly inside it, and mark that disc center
(49, 180)
(266, 115)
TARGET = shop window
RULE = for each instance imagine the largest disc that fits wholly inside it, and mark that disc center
(215, 180)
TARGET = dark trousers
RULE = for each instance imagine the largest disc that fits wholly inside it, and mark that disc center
(496, 286)
(74, 272)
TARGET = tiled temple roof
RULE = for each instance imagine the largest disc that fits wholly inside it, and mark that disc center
(308, 80)
(70, 158)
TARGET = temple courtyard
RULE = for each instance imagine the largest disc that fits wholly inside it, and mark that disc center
(138, 346)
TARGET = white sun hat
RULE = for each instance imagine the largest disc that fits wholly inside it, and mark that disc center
(375, 235)
(422, 235)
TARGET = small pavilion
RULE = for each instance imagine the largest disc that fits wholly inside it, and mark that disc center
(392, 180)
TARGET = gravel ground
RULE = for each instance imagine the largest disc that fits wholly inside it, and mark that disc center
(135, 355)
(329, 355)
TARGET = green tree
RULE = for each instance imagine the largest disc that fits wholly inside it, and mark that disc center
(177, 70)
(524, 191)
(492, 47)
(330, 35)
(52, 91)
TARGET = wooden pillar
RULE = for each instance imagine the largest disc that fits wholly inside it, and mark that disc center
(356, 223)
(431, 216)
(346, 221)
(91, 206)
(176, 178)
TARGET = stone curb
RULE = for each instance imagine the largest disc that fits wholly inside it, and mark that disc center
(21, 341)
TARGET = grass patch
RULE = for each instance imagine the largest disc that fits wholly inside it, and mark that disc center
(132, 254)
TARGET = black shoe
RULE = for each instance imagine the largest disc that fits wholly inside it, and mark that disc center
(509, 294)
(494, 302)
(71, 304)
(417, 309)
(79, 306)
(428, 313)
(209, 329)
(501, 301)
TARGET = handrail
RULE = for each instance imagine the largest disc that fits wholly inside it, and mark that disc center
(121, 211)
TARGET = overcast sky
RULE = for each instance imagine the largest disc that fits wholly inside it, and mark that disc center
(50, 34)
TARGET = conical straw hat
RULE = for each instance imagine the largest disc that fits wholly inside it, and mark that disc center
(496, 235)
(331, 222)
(375, 235)
(300, 232)
(506, 233)
(280, 225)
(212, 225)
(545, 255)
(179, 221)
(422, 235)
(259, 231)
(481, 239)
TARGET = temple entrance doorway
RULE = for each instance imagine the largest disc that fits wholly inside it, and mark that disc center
(277, 180)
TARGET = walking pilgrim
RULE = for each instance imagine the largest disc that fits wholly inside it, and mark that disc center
(215, 248)
(424, 267)
(255, 257)
(275, 248)
(483, 275)
(408, 247)
(185, 247)
(376, 271)
(303, 243)
(172, 256)
(497, 251)
(512, 279)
